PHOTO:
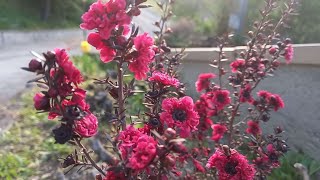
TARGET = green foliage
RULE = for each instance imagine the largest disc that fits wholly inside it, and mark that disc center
(305, 27)
(205, 20)
(30, 144)
(22, 14)
(12, 165)
(90, 65)
(288, 172)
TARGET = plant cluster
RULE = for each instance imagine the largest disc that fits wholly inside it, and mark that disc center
(211, 138)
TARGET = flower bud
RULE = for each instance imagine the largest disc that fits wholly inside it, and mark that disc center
(135, 11)
(170, 133)
(250, 33)
(272, 50)
(41, 102)
(278, 130)
(52, 92)
(62, 134)
(169, 161)
(275, 63)
(87, 126)
(35, 65)
(178, 147)
(288, 41)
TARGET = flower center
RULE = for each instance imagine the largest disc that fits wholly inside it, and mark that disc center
(154, 122)
(230, 168)
(220, 98)
(179, 115)
(246, 94)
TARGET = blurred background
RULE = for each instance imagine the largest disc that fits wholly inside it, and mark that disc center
(42, 25)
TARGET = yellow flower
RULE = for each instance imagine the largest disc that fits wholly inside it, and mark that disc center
(85, 47)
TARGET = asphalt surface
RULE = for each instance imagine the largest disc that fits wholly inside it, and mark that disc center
(15, 51)
(15, 47)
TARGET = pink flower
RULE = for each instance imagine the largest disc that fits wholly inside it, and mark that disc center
(237, 65)
(203, 81)
(106, 53)
(218, 131)
(233, 166)
(180, 113)
(245, 94)
(198, 166)
(115, 5)
(253, 128)
(105, 17)
(128, 139)
(129, 136)
(276, 102)
(221, 98)
(143, 153)
(41, 102)
(112, 175)
(164, 79)
(264, 94)
(78, 98)
(288, 54)
(70, 71)
(273, 100)
(87, 126)
(145, 54)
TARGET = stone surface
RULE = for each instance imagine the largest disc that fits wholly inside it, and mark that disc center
(299, 87)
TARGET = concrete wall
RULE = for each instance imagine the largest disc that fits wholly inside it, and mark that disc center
(297, 83)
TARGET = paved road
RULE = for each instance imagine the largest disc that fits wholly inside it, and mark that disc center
(15, 47)
(14, 54)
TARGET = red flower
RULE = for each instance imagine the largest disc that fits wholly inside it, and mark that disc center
(145, 54)
(273, 100)
(220, 99)
(128, 138)
(70, 71)
(276, 102)
(245, 94)
(106, 53)
(87, 126)
(112, 175)
(237, 65)
(264, 94)
(143, 153)
(218, 131)
(105, 17)
(41, 102)
(203, 81)
(288, 54)
(180, 113)
(253, 128)
(198, 166)
(164, 79)
(204, 107)
(233, 166)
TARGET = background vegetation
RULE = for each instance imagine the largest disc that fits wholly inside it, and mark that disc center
(36, 14)
(198, 23)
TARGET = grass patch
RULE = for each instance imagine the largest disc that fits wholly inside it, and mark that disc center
(288, 172)
(22, 14)
(30, 144)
